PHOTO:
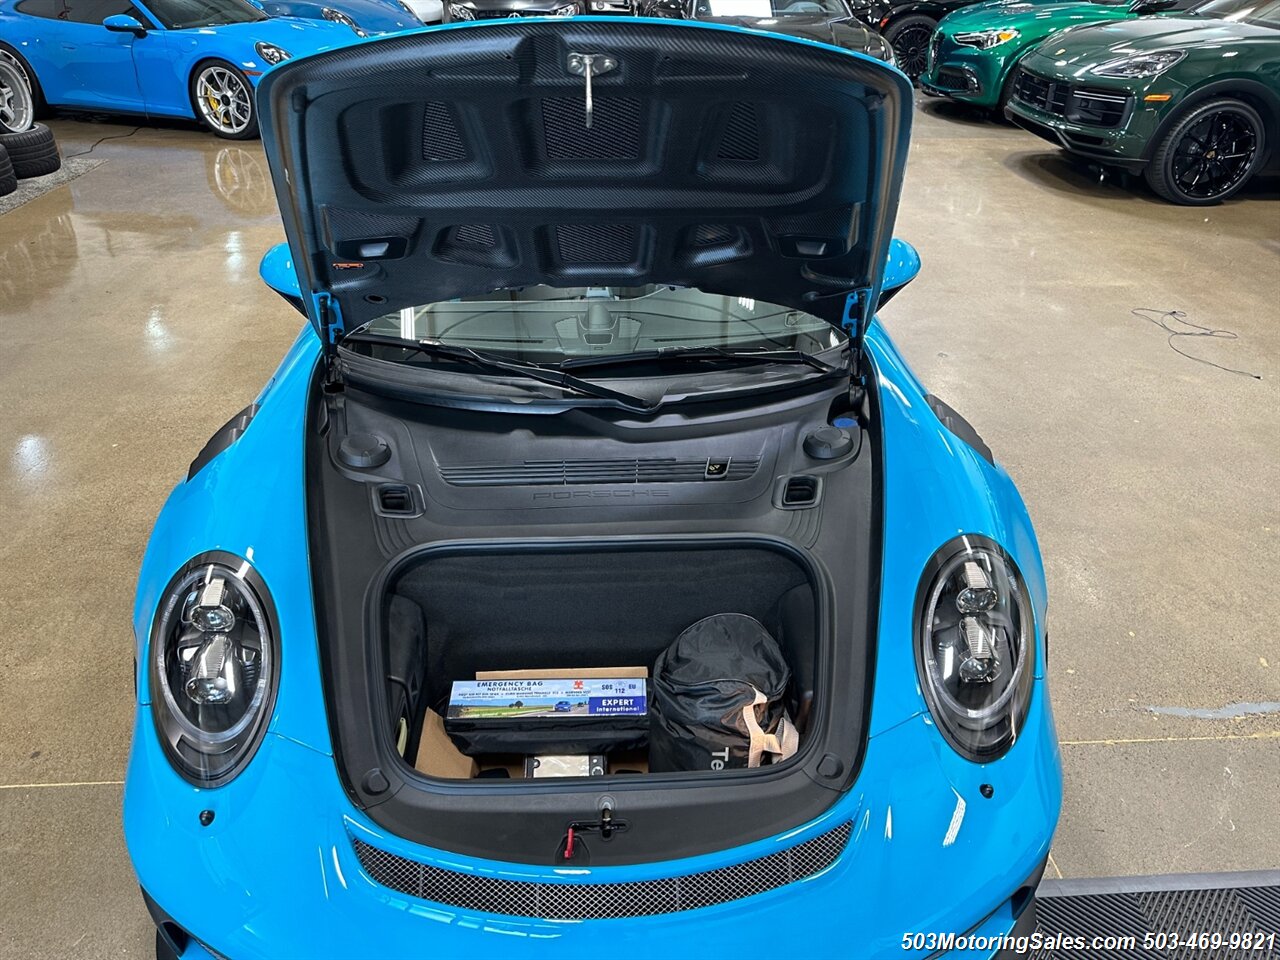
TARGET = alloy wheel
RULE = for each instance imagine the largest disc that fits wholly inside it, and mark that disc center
(17, 108)
(1214, 154)
(224, 100)
(911, 49)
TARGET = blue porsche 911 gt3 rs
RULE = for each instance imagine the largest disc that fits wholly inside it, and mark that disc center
(592, 369)
(163, 58)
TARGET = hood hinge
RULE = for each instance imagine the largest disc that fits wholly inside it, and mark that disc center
(330, 319)
(331, 330)
(856, 319)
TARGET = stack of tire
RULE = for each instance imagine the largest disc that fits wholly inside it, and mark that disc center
(29, 153)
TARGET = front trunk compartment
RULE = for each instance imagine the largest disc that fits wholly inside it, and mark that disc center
(518, 573)
(453, 613)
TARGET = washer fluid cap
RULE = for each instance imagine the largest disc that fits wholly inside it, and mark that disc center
(364, 451)
(828, 443)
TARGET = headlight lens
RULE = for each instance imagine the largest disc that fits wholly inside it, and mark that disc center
(214, 665)
(337, 16)
(985, 39)
(271, 53)
(975, 646)
(458, 12)
(1142, 65)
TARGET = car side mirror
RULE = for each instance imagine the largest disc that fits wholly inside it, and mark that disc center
(277, 272)
(901, 267)
(123, 23)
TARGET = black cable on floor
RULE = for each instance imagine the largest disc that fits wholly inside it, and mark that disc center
(101, 140)
(1163, 319)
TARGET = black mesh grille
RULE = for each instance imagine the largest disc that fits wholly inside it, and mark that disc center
(592, 901)
(1097, 108)
(1088, 105)
(568, 472)
(614, 132)
(440, 137)
(597, 242)
(741, 137)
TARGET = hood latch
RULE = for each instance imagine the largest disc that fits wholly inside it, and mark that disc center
(588, 65)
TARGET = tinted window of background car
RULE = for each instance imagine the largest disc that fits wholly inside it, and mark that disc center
(181, 14)
(48, 9)
(95, 11)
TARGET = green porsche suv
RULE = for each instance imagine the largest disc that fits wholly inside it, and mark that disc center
(973, 52)
(1191, 101)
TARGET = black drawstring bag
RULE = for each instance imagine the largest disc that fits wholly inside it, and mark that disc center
(717, 699)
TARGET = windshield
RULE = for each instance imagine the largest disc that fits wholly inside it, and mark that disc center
(184, 14)
(1254, 11)
(766, 9)
(550, 326)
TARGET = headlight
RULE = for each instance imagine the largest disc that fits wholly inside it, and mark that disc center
(337, 16)
(567, 10)
(214, 666)
(985, 39)
(458, 12)
(1142, 65)
(975, 646)
(271, 53)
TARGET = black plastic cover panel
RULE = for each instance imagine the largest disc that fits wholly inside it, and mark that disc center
(448, 162)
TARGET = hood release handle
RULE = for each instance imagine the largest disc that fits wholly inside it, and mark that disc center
(588, 65)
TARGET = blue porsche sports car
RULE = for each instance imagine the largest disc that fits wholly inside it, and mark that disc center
(162, 58)
(592, 357)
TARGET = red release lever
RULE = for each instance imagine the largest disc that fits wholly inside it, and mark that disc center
(568, 845)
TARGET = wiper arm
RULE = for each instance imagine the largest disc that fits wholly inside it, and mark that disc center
(488, 361)
(697, 354)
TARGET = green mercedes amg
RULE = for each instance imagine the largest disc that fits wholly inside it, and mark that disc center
(973, 52)
(1191, 101)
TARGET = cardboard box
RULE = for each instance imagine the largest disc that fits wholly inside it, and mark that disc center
(438, 757)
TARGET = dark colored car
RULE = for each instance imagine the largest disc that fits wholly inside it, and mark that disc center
(1192, 102)
(827, 21)
(563, 706)
(464, 10)
(908, 25)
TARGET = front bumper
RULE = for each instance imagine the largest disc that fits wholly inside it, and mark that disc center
(964, 73)
(276, 871)
(1126, 144)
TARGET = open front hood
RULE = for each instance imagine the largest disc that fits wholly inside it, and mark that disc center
(456, 161)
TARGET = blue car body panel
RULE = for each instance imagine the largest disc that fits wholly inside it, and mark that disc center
(929, 852)
(85, 65)
(275, 872)
(372, 16)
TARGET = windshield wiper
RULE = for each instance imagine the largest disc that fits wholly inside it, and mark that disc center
(488, 361)
(699, 354)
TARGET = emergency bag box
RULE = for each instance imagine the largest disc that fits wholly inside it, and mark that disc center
(566, 713)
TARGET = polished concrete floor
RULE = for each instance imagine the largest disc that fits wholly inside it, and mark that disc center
(133, 325)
